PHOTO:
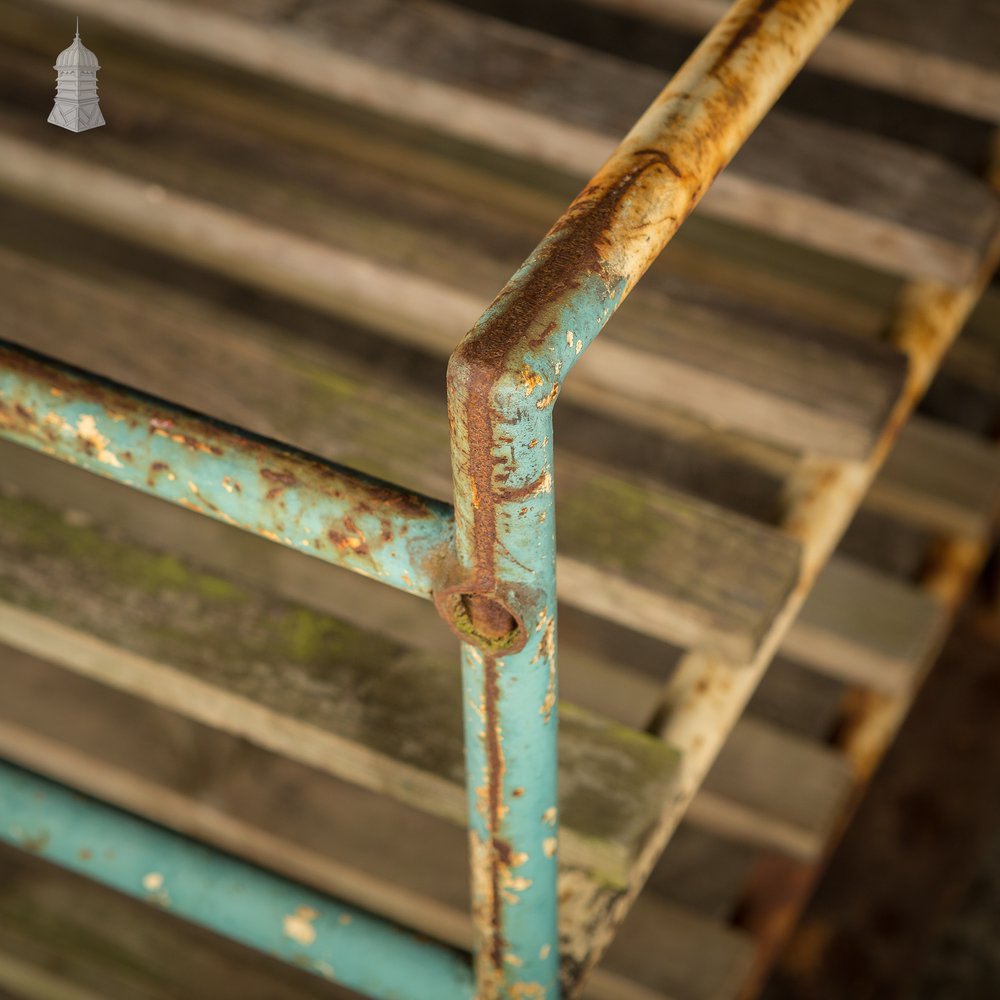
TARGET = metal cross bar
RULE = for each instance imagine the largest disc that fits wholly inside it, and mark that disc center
(288, 496)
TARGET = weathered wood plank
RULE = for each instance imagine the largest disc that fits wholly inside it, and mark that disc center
(297, 682)
(669, 564)
(864, 626)
(938, 53)
(708, 349)
(774, 788)
(941, 477)
(756, 368)
(616, 534)
(797, 699)
(24, 979)
(752, 811)
(407, 865)
(404, 864)
(703, 872)
(527, 94)
(638, 958)
(69, 938)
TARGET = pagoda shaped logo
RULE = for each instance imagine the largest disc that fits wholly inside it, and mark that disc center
(76, 106)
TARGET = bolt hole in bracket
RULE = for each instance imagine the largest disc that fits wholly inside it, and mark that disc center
(483, 620)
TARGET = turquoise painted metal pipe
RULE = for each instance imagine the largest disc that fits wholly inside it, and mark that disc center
(503, 380)
(224, 894)
(288, 496)
(502, 602)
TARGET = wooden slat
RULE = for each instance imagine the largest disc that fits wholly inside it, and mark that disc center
(702, 872)
(616, 535)
(768, 787)
(773, 788)
(747, 366)
(295, 681)
(25, 979)
(798, 700)
(941, 477)
(754, 811)
(404, 864)
(937, 53)
(353, 415)
(647, 964)
(863, 626)
(64, 937)
(339, 234)
(526, 94)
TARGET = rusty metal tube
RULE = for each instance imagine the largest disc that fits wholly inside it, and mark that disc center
(288, 496)
(503, 380)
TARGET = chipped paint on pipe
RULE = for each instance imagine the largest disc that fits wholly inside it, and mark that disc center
(229, 896)
(503, 381)
(270, 489)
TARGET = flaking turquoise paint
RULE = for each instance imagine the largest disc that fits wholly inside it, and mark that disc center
(324, 510)
(224, 894)
(515, 857)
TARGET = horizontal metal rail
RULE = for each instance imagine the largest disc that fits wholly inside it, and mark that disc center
(288, 496)
(226, 895)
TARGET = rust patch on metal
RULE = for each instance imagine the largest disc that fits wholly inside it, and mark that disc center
(35, 843)
(489, 617)
(345, 542)
(281, 480)
(499, 849)
(531, 380)
(574, 249)
(543, 484)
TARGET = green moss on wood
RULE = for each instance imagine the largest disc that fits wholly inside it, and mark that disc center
(613, 522)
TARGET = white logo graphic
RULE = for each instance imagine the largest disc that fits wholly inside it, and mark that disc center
(76, 106)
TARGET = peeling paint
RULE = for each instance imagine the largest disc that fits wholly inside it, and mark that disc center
(299, 925)
(152, 881)
(530, 380)
(163, 449)
(527, 991)
(547, 652)
(549, 398)
(325, 970)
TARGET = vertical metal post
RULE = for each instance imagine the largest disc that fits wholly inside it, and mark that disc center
(501, 601)
(503, 604)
